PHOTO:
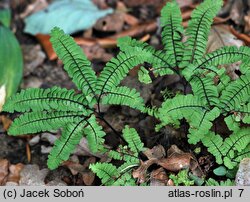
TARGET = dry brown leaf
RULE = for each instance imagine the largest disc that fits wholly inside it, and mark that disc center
(88, 178)
(110, 23)
(158, 177)
(6, 122)
(141, 172)
(14, 175)
(176, 162)
(4, 166)
(34, 7)
(157, 152)
(220, 36)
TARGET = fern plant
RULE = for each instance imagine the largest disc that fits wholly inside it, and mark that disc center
(129, 158)
(76, 114)
(213, 95)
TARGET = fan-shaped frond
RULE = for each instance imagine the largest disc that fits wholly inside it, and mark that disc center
(124, 96)
(133, 139)
(65, 145)
(74, 60)
(236, 94)
(34, 122)
(198, 30)
(46, 99)
(105, 171)
(172, 30)
(95, 135)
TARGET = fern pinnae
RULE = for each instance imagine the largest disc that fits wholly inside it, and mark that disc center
(71, 136)
(236, 93)
(198, 30)
(75, 62)
(34, 122)
(224, 55)
(171, 22)
(55, 98)
(123, 96)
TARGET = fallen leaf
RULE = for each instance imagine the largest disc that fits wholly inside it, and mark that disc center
(4, 166)
(59, 13)
(5, 121)
(241, 36)
(141, 172)
(34, 7)
(103, 42)
(158, 177)
(176, 162)
(157, 152)
(221, 36)
(15, 170)
(110, 23)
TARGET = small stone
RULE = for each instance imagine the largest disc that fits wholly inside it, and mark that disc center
(31, 175)
(48, 137)
(45, 150)
(34, 140)
(243, 174)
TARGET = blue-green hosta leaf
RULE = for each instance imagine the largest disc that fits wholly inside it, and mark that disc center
(11, 62)
(69, 15)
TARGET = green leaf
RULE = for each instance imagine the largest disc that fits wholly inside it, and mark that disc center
(75, 62)
(220, 171)
(172, 30)
(55, 98)
(5, 17)
(11, 63)
(133, 139)
(198, 30)
(65, 145)
(124, 96)
(143, 75)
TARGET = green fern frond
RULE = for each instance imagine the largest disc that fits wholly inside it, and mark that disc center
(75, 62)
(230, 151)
(172, 30)
(205, 89)
(34, 122)
(124, 96)
(214, 144)
(236, 94)
(118, 67)
(224, 55)
(162, 64)
(46, 99)
(65, 145)
(105, 171)
(133, 139)
(95, 135)
(198, 30)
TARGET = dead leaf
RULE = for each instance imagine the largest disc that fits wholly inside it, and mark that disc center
(141, 172)
(4, 166)
(158, 177)
(241, 36)
(14, 175)
(88, 178)
(96, 52)
(157, 152)
(34, 7)
(110, 23)
(176, 162)
(220, 36)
